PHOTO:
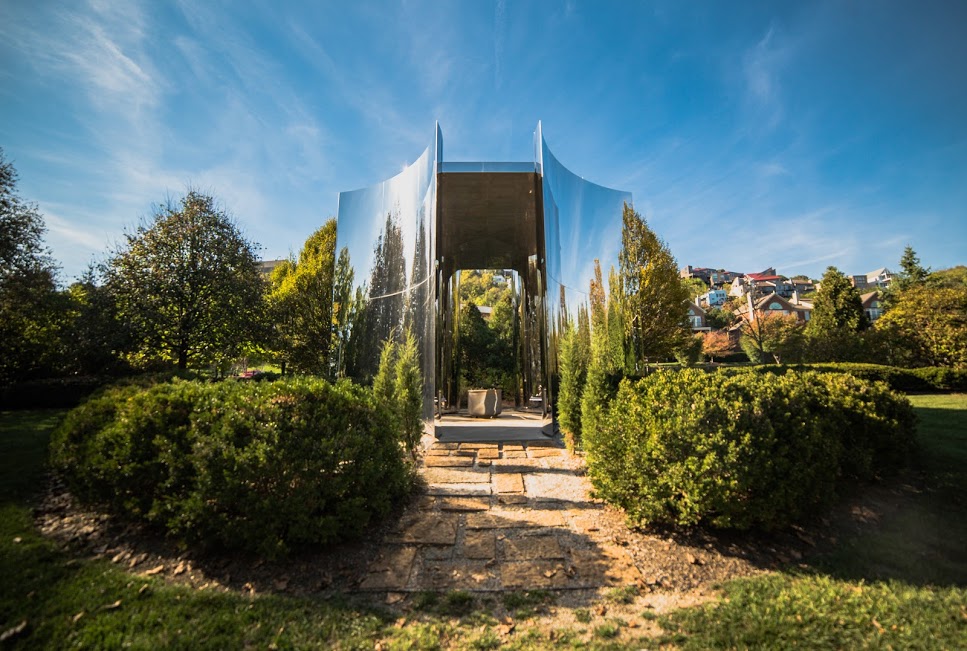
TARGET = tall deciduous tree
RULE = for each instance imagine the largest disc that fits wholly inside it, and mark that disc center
(716, 344)
(301, 303)
(837, 307)
(779, 336)
(653, 293)
(97, 343)
(187, 285)
(31, 310)
(930, 325)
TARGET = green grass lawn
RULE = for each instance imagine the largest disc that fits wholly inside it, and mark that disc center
(901, 585)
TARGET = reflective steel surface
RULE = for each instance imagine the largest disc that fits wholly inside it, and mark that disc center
(403, 242)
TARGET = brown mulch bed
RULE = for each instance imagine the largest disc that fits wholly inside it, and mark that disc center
(669, 560)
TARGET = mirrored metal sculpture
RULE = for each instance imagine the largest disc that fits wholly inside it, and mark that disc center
(402, 244)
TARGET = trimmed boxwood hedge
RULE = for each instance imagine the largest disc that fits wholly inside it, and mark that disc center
(925, 379)
(743, 450)
(260, 467)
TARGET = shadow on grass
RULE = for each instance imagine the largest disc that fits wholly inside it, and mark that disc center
(913, 527)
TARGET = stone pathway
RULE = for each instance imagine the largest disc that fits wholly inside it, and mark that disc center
(500, 516)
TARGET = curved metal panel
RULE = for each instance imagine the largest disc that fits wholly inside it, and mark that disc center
(385, 276)
(582, 223)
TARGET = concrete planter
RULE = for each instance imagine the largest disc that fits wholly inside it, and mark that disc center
(484, 403)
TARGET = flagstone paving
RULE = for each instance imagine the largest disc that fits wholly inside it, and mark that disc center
(501, 516)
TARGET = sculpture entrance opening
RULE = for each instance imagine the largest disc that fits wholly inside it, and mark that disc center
(404, 244)
(489, 220)
(487, 357)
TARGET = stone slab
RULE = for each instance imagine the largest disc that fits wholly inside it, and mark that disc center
(512, 498)
(540, 453)
(426, 528)
(515, 454)
(557, 486)
(463, 503)
(479, 446)
(459, 490)
(531, 548)
(438, 552)
(602, 565)
(508, 483)
(455, 575)
(530, 575)
(434, 452)
(480, 544)
(586, 522)
(541, 517)
(488, 454)
(448, 462)
(456, 476)
(517, 465)
(449, 502)
(515, 518)
(439, 445)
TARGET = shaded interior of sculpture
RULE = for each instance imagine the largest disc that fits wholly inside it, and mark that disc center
(489, 250)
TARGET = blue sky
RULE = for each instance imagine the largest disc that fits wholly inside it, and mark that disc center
(794, 135)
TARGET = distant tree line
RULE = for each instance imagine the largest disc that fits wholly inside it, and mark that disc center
(182, 290)
(924, 323)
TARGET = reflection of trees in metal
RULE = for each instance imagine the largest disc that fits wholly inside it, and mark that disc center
(418, 307)
(377, 313)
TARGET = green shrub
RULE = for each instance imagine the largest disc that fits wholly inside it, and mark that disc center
(742, 449)
(689, 350)
(898, 379)
(408, 392)
(573, 372)
(398, 386)
(748, 346)
(942, 378)
(255, 466)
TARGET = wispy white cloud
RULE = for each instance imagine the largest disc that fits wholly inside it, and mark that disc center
(70, 234)
(94, 48)
(771, 168)
(762, 67)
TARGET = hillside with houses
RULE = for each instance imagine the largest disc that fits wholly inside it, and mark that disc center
(768, 292)
(767, 316)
